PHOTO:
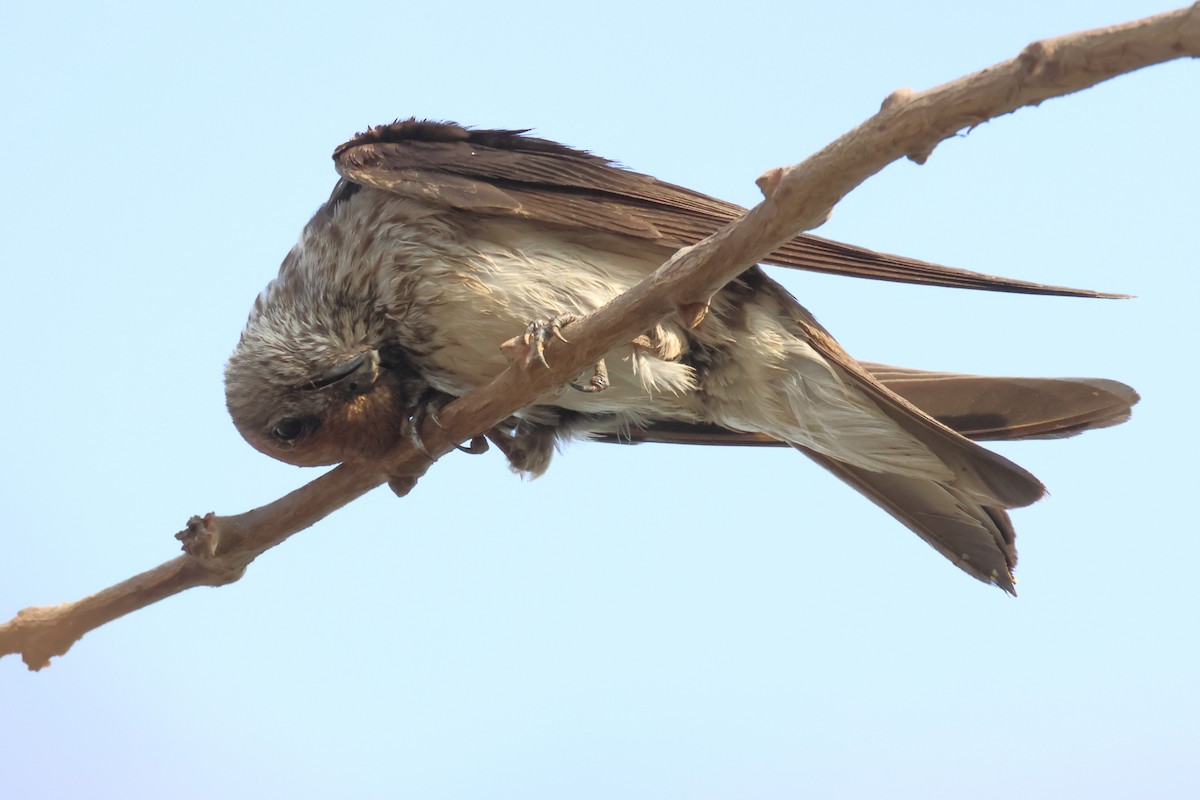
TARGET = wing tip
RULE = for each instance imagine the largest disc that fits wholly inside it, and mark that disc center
(1006, 581)
(402, 131)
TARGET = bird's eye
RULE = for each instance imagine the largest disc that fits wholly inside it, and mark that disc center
(292, 429)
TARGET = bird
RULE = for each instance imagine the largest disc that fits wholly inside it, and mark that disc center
(439, 242)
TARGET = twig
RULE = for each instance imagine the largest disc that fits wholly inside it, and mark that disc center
(798, 198)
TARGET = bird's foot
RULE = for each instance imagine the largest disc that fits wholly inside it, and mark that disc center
(527, 447)
(427, 409)
(540, 331)
(411, 427)
(599, 380)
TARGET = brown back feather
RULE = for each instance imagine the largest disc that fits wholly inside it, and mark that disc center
(505, 172)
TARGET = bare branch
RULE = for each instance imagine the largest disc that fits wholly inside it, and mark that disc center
(798, 198)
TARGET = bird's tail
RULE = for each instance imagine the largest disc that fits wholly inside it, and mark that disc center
(785, 377)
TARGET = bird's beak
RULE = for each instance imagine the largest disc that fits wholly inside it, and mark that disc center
(360, 372)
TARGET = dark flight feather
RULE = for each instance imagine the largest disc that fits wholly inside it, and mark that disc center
(503, 172)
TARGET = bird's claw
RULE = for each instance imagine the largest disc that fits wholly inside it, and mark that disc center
(429, 410)
(412, 429)
(599, 379)
(477, 446)
(540, 331)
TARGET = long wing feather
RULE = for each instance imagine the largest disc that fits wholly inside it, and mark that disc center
(980, 407)
(499, 172)
(1002, 408)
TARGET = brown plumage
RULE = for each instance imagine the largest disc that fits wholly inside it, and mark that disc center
(440, 243)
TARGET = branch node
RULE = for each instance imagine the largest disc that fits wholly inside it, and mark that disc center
(206, 539)
(517, 351)
(901, 97)
(1039, 62)
(510, 347)
(919, 157)
(693, 313)
(769, 182)
(401, 484)
(201, 537)
(40, 638)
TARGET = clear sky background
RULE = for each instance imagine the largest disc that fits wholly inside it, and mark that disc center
(642, 622)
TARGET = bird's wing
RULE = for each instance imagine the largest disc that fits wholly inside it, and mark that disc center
(988, 476)
(963, 516)
(506, 173)
(978, 538)
(980, 407)
(1003, 408)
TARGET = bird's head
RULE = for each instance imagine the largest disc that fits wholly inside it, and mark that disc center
(309, 391)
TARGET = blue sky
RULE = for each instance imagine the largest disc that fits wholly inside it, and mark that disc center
(642, 622)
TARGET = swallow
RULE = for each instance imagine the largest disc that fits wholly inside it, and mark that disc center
(440, 242)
